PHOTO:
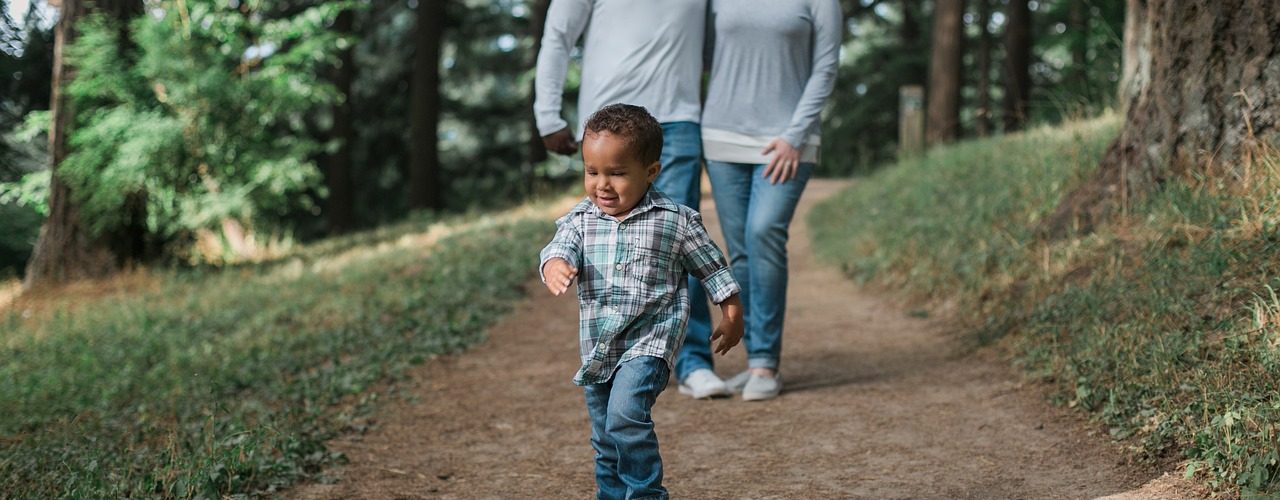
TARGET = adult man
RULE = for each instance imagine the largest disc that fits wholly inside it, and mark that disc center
(647, 53)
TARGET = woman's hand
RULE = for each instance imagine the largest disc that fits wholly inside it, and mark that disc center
(785, 162)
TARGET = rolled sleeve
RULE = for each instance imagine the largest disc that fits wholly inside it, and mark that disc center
(703, 259)
(721, 285)
(566, 244)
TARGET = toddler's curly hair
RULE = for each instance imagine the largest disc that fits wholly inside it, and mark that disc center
(634, 124)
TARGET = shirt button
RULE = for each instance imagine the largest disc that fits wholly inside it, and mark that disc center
(618, 267)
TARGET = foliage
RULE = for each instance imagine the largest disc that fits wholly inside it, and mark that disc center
(198, 113)
(26, 49)
(1162, 324)
(1061, 88)
(486, 79)
(217, 383)
(21, 226)
(861, 123)
(882, 54)
(205, 110)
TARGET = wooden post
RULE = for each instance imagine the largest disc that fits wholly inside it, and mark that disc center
(910, 121)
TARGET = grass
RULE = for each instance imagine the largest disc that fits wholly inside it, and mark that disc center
(1164, 323)
(215, 383)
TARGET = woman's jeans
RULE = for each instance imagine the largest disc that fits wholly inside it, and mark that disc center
(755, 216)
(681, 180)
(628, 465)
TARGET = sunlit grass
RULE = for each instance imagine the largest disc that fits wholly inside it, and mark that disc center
(1160, 323)
(208, 382)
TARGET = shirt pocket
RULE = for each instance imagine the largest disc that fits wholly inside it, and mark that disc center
(652, 266)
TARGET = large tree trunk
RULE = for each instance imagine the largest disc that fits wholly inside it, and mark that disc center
(424, 120)
(983, 121)
(1137, 53)
(1212, 93)
(943, 101)
(1017, 65)
(341, 203)
(66, 250)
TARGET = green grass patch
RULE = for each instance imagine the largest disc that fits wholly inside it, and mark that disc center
(1163, 323)
(225, 382)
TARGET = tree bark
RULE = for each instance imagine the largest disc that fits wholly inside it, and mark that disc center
(66, 249)
(983, 121)
(1017, 67)
(1137, 54)
(1211, 98)
(943, 101)
(341, 203)
(424, 120)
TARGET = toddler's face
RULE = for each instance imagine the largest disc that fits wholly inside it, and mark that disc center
(614, 178)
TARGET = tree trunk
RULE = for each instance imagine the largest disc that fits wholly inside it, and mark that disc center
(424, 120)
(983, 121)
(66, 250)
(909, 34)
(1137, 54)
(909, 31)
(1210, 98)
(1017, 66)
(1078, 25)
(341, 203)
(943, 102)
(537, 151)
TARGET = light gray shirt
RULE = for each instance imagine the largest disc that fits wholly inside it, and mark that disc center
(642, 52)
(773, 64)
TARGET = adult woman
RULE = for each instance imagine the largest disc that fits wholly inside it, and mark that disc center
(773, 64)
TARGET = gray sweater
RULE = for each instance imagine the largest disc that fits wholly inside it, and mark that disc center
(643, 52)
(773, 64)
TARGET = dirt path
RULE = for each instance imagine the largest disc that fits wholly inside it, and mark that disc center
(877, 404)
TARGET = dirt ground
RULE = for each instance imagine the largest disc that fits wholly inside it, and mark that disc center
(876, 404)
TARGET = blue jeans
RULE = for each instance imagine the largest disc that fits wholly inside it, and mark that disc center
(628, 465)
(681, 179)
(755, 216)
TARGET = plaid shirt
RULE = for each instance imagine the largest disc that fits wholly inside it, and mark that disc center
(633, 298)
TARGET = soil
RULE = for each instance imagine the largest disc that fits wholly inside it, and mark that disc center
(877, 403)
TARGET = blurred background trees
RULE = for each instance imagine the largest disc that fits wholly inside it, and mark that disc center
(209, 130)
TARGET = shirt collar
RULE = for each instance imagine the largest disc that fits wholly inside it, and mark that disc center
(652, 199)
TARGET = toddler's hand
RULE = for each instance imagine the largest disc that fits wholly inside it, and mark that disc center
(558, 275)
(729, 332)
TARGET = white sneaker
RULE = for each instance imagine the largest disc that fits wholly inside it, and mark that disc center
(760, 388)
(737, 382)
(702, 384)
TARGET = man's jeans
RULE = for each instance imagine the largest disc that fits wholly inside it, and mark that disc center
(755, 216)
(681, 179)
(628, 465)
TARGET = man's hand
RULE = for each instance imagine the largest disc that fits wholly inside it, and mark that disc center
(785, 162)
(559, 275)
(729, 331)
(561, 141)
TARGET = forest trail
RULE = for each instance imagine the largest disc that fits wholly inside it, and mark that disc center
(877, 403)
